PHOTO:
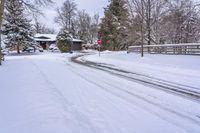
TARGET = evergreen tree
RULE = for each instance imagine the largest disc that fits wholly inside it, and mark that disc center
(17, 27)
(64, 41)
(114, 26)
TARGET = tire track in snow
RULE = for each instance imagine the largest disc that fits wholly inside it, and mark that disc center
(166, 109)
(185, 91)
(85, 123)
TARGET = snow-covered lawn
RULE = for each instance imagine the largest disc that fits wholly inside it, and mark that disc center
(176, 68)
(47, 93)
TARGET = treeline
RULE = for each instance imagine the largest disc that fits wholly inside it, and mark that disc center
(132, 22)
(78, 23)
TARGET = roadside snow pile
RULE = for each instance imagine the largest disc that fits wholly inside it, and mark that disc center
(176, 68)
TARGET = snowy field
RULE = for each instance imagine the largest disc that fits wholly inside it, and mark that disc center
(47, 93)
(176, 68)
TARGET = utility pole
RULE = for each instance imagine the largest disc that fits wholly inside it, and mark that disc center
(142, 30)
(2, 2)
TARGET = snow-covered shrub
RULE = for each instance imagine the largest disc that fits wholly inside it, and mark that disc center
(64, 41)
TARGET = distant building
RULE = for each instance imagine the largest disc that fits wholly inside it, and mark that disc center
(45, 40)
(77, 45)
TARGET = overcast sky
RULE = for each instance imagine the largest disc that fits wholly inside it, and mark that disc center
(91, 6)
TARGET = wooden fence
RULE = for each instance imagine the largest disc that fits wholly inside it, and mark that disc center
(176, 49)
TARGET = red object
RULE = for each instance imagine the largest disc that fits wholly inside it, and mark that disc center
(99, 41)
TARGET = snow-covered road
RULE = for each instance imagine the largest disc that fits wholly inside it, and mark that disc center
(49, 94)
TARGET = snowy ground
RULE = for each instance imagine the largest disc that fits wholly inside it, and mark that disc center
(181, 69)
(47, 93)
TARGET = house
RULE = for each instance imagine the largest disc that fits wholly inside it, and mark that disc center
(45, 40)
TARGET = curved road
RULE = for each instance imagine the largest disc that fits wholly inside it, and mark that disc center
(50, 94)
(170, 87)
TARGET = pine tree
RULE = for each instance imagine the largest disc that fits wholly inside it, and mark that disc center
(64, 40)
(114, 26)
(17, 27)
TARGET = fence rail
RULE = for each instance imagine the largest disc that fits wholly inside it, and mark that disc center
(176, 49)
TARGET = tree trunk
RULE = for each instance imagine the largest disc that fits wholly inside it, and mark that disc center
(18, 49)
(2, 2)
(142, 29)
(149, 24)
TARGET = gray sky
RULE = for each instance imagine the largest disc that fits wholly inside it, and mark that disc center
(91, 6)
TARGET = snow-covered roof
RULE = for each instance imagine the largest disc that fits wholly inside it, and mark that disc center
(50, 37)
(45, 37)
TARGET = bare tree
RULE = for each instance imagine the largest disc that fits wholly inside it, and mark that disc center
(137, 13)
(79, 23)
(174, 21)
(94, 28)
(136, 9)
(158, 11)
(181, 22)
(84, 25)
(42, 29)
(66, 15)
